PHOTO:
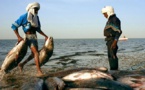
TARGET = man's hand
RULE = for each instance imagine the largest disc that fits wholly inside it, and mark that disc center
(46, 38)
(19, 39)
(18, 36)
(114, 44)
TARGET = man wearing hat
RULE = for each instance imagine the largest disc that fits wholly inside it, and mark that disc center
(30, 24)
(112, 32)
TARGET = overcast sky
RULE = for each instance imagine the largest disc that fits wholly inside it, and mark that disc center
(75, 18)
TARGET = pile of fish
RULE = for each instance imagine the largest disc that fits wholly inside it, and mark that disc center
(88, 79)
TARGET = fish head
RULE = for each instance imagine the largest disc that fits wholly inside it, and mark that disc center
(49, 43)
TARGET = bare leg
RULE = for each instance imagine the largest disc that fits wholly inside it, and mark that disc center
(21, 65)
(36, 58)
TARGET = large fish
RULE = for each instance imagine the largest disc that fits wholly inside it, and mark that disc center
(14, 56)
(86, 74)
(45, 53)
(51, 83)
(93, 79)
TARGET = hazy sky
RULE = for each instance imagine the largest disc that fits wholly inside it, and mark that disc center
(75, 18)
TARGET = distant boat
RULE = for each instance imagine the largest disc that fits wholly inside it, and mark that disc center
(123, 39)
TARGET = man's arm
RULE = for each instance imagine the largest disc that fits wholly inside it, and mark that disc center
(116, 25)
(18, 35)
(17, 24)
(113, 28)
(43, 34)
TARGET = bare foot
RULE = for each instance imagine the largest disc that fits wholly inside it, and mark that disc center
(20, 65)
(40, 75)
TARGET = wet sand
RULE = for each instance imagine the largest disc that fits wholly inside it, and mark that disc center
(127, 61)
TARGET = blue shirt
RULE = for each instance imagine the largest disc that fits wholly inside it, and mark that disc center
(22, 21)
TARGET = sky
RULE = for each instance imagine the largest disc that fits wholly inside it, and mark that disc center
(71, 19)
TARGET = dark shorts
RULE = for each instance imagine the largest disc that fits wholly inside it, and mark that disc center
(32, 40)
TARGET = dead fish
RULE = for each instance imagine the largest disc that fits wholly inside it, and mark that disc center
(64, 73)
(55, 83)
(51, 83)
(93, 79)
(46, 52)
(34, 84)
(86, 74)
(14, 56)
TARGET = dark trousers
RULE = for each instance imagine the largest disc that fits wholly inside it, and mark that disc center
(113, 59)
